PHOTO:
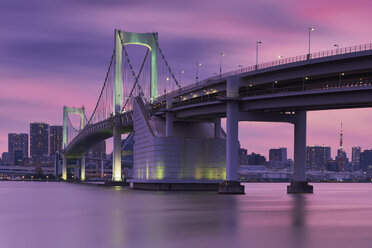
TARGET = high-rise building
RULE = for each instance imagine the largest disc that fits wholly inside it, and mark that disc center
(278, 157)
(55, 139)
(98, 150)
(18, 157)
(355, 157)
(243, 157)
(5, 157)
(366, 160)
(256, 159)
(39, 137)
(317, 157)
(17, 142)
(341, 155)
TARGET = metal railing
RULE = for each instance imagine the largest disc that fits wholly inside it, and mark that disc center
(316, 55)
(306, 57)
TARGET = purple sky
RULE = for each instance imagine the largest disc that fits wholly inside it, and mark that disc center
(55, 53)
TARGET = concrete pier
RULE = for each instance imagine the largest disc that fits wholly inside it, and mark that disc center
(299, 184)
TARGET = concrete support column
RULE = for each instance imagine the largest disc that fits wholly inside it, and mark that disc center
(232, 143)
(102, 167)
(64, 167)
(169, 117)
(82, 168)
(217, 128)
(299, 184)
(300, 147)
(116, 158)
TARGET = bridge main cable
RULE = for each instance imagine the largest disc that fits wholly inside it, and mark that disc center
(166, 62)
(132, 71)
(103, 87)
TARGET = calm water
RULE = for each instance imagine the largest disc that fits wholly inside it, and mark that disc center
(44, 214)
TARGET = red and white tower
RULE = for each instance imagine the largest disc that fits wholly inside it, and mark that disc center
(340, 153)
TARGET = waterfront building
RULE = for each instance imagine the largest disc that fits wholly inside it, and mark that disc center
(355, 157)
(243, 156)
(4, 158)
(98, 150)
(317, 157)
(256, 159)
(366, 160)
(278, 157)
(39, 137)
(55, 139)
(17, 142)
(94, 158)
(18, 157)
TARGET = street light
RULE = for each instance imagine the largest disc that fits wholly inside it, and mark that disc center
(221, 54)
(280, 57)
(181, 73)
(257, 42)
(310, 30)
(198, 64)
(167, 81)
(337, 46)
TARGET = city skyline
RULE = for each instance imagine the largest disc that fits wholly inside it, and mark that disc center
(60, 58)
(266, 153)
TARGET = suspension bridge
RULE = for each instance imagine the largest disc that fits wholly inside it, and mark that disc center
(178, 139)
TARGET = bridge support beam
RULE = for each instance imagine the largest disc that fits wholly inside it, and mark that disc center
(299, 183)
(217, 128)
(64, 168)
(232, 186)
(116, 158)
(82, 168)
(102, 167)
(169, 118)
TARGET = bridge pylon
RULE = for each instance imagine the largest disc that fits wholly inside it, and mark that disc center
(66, 112)
(123, 38)
(149, 40)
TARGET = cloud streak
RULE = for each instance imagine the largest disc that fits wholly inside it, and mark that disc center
(55, 53)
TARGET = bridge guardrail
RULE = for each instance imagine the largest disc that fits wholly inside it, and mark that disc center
(316, 55)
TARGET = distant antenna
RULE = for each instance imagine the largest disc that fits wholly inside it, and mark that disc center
(340, 155)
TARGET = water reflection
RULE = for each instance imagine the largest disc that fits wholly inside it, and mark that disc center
(39, 215)
(299, 229)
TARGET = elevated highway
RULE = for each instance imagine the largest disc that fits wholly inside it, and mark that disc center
(279, 91)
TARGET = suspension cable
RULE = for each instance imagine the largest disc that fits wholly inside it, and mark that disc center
(166, 62)
(103, 87)
(135, 83)
(129, 63)
(73, 128)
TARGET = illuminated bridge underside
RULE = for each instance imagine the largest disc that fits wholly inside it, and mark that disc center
(93, 134)
(358, 97)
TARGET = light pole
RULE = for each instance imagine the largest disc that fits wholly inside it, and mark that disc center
(280, 61)
(337, 46)
(166, 82)
(257, 42)
(197, 70)
(221, 54)
(181, 73)
(310, 30)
